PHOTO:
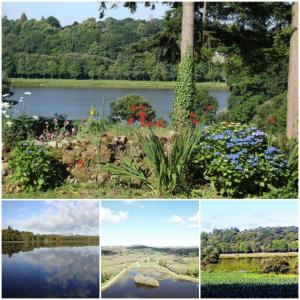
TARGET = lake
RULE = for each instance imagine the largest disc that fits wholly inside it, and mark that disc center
(75, 102)
(169, 288)
(56, 272)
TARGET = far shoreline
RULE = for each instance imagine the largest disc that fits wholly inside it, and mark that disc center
(118, 84)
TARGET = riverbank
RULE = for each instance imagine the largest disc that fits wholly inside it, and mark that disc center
(128, 84)
(137, 265)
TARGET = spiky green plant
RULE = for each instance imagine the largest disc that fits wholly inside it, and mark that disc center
(169, 172)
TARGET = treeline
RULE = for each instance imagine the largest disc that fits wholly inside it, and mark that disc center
(110, 49)
(12, 235)
(262, 239)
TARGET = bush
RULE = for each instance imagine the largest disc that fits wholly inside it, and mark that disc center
(131, 108)
(34, 167)
(185, 92)
(271, 115)
(210, 257)
(238, 160)
(276, 264)
(205, 107)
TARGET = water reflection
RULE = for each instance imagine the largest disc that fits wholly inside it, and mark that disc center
(28, 271)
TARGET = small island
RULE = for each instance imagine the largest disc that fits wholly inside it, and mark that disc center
(146, 280)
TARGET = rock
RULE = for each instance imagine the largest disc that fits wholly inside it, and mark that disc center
(68, 158)
(52, 144)
(5, 169)
(103, 177)
(115, 141)
(121, 147)
(106, 139)
(106, 157)
(111, 146)
(123, 140)
(66, 144)
(38, 143)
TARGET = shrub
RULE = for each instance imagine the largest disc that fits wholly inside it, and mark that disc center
(34, 167)
(185, 92)
(132, 108)
(238, 160)
(276, 264)
(210, 257)
(205, 107)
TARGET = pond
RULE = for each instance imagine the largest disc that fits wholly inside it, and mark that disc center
(56, 272)
(169, 288)
(249, 264)
(75, 102)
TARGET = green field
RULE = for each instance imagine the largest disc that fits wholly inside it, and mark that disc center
(72, 83)
(248, 285)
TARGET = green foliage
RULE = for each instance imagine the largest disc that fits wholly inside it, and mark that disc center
(210, 257)
(6, 85)
(205, 107)
(128, 107)
(169, 172)
(271, 115)
(34, 167)
(263, 239)
(238, 160)
(185, 91)
(276, 264)
(248, 285)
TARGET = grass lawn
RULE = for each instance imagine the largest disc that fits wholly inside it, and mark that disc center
(72, 83)
(248, 285)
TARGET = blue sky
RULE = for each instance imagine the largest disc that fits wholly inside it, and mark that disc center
(150, 223)
(64, 217)
(68, 12)
(248, 214)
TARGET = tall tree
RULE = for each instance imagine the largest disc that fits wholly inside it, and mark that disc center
(187, 28)
(292, 96)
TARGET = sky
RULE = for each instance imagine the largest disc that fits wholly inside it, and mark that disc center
(150, 223)
(45, 217)
(248, 214)
(68, 12)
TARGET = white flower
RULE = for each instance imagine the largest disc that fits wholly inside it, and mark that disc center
(21, 100)
(5, 105)
(35, 117)
(5, 95)
(27, 93)
(9, 123)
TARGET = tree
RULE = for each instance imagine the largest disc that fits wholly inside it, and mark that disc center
(187, 28)
(292, 96)
(53, 22)
(185, 91)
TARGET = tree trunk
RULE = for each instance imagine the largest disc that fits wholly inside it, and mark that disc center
(187, 28)
(292, 95)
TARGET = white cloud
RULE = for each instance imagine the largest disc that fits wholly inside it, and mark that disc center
(66, 217)
(194, 220)
(176, 219)
(114, 217)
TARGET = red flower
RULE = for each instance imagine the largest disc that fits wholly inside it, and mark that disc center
(133, 107)
(194, 121)
(80, 163)
(142, 107)
(150, 124)
(193, 115)
(209, 107)
(130, 121)
(272, 120)
(159, 124)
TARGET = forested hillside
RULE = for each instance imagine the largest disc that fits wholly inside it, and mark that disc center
(13, 235)
(262, 239)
